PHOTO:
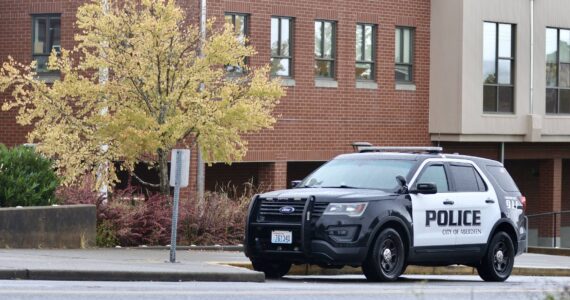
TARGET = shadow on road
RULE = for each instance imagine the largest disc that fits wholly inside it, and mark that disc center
(362, 279)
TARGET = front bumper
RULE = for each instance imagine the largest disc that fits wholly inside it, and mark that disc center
(314, 242)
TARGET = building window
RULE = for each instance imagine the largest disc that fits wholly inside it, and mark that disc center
(404, 54)
(498, 67)
(557, 71)
(365, 51)
(325, 49)
(281, 57)
(239, 22)
(46, 36)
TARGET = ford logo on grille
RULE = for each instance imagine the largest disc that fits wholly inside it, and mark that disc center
(287, 210)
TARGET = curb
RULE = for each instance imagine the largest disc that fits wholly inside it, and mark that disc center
(88, 275)
(304, 270)
(195, 248)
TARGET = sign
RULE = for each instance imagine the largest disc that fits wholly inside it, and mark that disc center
(184, 165)
(179, 173)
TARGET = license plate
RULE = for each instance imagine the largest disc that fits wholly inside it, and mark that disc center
(281, 237)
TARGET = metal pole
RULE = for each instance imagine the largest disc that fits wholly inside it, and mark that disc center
(554, 231)
(103, 168)
(201, 170)
(531, 98)
(175, 206)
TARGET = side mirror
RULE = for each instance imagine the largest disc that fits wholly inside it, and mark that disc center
(403, 184)
(425, 188)
(295, 183)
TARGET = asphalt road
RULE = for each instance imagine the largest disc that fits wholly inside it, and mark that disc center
(298, 287)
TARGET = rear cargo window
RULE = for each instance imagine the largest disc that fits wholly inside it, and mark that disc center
(503, 178)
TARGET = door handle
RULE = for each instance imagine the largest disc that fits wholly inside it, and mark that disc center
(448, 202)
(489, 201)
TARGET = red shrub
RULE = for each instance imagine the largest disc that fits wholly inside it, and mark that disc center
(130, 218)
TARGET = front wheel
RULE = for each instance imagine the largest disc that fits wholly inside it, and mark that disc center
(498, 262)
(386, 262)
(272, 268)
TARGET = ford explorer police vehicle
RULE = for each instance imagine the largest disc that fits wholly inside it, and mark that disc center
(385, 208)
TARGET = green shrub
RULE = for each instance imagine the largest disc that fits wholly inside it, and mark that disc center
(26, 178)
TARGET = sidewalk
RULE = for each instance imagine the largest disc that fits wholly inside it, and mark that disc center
(122, 265)
(151, 265)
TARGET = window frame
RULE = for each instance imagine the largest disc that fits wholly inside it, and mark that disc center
(48, 17)
(246, 20)
(496, 85)
(557, 88)
(410, 65)
(332, 60)
(372, 62)
(291, 32)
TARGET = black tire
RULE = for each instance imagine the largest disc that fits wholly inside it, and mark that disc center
(386, 261)
(272, 268)
(498, 262)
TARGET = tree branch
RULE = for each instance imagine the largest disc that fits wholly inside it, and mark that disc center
(144, 182)
(143, 94)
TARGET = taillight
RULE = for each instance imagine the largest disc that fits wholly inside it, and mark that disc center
(522, 199)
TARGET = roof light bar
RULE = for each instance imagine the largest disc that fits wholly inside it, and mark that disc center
(430, 150)
(357, 146)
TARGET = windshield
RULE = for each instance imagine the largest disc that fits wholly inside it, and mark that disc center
(359, 173)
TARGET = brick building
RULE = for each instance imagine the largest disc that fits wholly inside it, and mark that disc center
(325, 109)
(499, 87)
(390, 72)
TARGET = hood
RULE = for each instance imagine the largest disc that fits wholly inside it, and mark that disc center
(330, 194)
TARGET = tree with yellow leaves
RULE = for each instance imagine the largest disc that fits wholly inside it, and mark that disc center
(160, 92)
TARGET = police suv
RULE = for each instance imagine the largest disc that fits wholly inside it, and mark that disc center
(385, 208)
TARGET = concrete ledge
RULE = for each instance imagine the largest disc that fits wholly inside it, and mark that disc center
(405, 87)
(550, 251)
(414, 270)
(370, 85)
(326, 83)
(287, 82)
(68, 226)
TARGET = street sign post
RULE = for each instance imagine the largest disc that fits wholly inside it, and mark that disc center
(179, 173)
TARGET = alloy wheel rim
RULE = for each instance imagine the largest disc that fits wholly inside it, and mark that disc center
(501, 258)
(388, 256)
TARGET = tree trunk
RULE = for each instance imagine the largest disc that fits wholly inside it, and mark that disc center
(163, 172)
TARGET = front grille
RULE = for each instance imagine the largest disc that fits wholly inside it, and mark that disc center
(318, 210)
(269, 210)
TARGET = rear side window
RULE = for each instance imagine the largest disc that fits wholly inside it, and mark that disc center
(467, 179)
(505, 180)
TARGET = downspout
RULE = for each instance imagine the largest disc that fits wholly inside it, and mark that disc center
(531, 98)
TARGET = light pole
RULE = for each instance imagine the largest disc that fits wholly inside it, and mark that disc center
(201, 178)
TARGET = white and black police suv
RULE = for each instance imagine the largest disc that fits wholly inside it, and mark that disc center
(385, 208)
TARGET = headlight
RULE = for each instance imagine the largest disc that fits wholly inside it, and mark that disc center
(346, 209)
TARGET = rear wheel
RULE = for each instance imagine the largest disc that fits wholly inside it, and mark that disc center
(386, 262)
(272, 268)
(497, 264)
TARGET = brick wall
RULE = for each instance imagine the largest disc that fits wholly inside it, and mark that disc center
(318, 123)
(16, 41)
(313, 123)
